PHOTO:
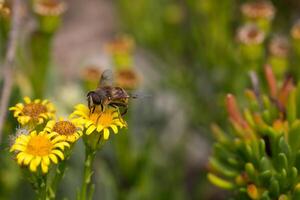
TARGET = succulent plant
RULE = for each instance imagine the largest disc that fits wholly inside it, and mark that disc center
(259, 156)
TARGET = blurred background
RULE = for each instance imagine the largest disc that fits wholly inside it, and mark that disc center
(180, 57)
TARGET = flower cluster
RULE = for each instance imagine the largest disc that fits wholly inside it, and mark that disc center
(46, 136)
(4, 8)
(259, 156)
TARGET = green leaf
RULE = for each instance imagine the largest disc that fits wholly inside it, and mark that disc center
(222, 168)
(274, 188)
(291, 106)
(250, 171)
(293, 176)
(219, 182)
(296, 193)
(265, 178)
(265, 196)
(294, 136)
(264, 164)
(284, 147)
(282, 161)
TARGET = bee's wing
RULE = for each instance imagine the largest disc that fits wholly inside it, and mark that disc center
(138, 95)
(118, 92)
(106, 78)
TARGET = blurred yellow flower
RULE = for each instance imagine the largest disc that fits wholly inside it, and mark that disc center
(99, 121)
(32, 112)
(250, 34)
(70, 130)
(49, 7)
(127, 78)
(258, 9)
(295, 31)
(39, 149)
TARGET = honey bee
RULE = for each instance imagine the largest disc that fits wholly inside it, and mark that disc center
(108, 95)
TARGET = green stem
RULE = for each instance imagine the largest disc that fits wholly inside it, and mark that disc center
(87, 186)
(42, 188)
(60, 171)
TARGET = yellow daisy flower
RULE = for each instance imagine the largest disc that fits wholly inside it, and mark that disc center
(49, 7)
(70, 130)
(39, 149)
(99, 121)
(36, 111)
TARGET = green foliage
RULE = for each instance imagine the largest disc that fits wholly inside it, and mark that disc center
(259, 156)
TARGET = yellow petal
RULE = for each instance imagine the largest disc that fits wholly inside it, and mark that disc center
(20, 154)
(82, 107)
(33, 133)
(17, 113)
(114, 128)
(45, 160)
(27, 100)
(45, 116)
(37, 160)
(87, 124)
(57, 139)
(17, 147)
(53, 158)
(40, 120)
(27, 159)
(80, 133)
(34, 163)
(59, 145)
(90, 129)
(44, 102)
(52, 134)
(44, 168)
(20, 158)
(13, 108)
(99, 128)
(58, 153)
(78, 113)
(105, 134)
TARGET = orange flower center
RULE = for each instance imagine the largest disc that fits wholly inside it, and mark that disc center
(260, 6)
(34, 109)
(102, 118)
(91, 73)
(253, 33)
(50, 3)
(296, 31)
(39, 146)
(64, 128)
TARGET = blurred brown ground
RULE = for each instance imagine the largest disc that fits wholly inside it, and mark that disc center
(86, 27)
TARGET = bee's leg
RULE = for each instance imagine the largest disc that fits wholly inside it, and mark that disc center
(119, 104)
(102, 110)
(125, 110)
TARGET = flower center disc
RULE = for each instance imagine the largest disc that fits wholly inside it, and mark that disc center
(64, 128)
(252, 34)
(50, 3)
(102, 118)
(34, 109)
(39, 146)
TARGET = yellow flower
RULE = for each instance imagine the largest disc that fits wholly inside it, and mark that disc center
(49, 7)
(99, 121)
(127, 78)
(70, 130)
(32, 112)
(39, 149)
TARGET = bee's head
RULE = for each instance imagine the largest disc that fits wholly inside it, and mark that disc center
(93, 98)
